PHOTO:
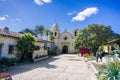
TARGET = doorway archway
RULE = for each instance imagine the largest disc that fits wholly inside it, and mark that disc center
(65, 49)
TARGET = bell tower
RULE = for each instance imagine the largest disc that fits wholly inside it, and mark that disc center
(55, 31)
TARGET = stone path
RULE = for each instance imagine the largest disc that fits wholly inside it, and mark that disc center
(63, 67)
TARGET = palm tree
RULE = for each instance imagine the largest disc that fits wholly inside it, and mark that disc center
(46, 32)
(26, 30)
(39, 30)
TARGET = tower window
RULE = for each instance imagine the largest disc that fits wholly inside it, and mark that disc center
(55, 33)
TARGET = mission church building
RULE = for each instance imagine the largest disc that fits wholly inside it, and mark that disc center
(63, 40)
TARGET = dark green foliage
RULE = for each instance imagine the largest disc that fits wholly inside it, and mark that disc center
(54, 51)
(93, 36)
(5, 61)
(13, 61)
(51, 37)
(26, 45)
(1, 45)
(3, 68)
(28, 31)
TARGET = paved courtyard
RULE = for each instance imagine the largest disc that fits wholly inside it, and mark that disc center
(63, 67)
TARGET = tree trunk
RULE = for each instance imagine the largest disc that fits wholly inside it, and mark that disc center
(95, 49)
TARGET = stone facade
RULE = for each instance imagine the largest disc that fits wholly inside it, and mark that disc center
(63, 40)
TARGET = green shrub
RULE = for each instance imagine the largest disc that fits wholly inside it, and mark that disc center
(53, 51)
(13, 61)
(5, 61)
(1, 45)
(111, 53)
(3, 67)
(112, 72)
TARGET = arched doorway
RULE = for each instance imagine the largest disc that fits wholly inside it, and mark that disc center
(65, 49)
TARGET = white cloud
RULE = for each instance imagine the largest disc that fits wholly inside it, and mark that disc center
(41, 2)
(71, 13)
(47, 1)
(3, 17)
(85, 13)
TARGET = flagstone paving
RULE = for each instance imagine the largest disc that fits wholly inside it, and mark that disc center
(63, 67)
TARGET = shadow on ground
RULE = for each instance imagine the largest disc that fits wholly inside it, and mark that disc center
(30, 66)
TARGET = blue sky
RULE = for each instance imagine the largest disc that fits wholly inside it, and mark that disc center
(69, 14)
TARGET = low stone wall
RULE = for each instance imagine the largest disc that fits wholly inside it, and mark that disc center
(39, 53)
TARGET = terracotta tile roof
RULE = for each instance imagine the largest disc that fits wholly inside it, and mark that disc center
(113, 41)
(10, 34)
(41, 40)
(18, 35)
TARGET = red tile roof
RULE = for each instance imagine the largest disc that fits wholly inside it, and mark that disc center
(10, 34)
(18, 35)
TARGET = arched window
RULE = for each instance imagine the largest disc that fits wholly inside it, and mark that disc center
(75, 33)
(55, 33)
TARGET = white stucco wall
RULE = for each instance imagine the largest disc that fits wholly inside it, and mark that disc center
(39, 43)
(13, 41)
(8, 41)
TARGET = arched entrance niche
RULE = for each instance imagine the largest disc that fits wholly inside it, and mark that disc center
(65, 49)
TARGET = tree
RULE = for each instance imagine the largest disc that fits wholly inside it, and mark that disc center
(26, 30)
(46, 32)
(26, 45)
(39, 30)
(51, 37)
(94, 36)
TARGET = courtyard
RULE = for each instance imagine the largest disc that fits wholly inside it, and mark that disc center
(62, 67)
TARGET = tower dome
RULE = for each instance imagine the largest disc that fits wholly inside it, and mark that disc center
(55, 27)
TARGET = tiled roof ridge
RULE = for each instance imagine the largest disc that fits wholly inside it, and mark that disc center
(18, 35)
(10, 33)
